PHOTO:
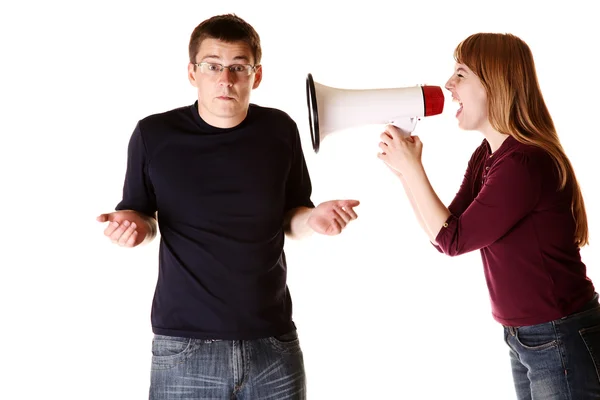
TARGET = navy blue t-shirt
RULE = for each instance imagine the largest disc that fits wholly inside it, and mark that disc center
(220, 196)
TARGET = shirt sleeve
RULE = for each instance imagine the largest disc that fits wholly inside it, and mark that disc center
(511, 191)
(138, 192)
(298, 184)
(464, 196)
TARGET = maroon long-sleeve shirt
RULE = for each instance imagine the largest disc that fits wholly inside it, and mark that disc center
(509, 207)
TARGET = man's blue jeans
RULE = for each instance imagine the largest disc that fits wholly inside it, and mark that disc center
(270, 368)
(559, 359)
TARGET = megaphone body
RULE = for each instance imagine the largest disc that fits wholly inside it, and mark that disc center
(331, 109)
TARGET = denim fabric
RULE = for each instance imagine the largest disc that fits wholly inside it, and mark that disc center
(270, 368)
(559, 359)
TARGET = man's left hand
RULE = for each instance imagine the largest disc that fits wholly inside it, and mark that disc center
(331, 217)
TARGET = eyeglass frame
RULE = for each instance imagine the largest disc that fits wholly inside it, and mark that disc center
(222, 67)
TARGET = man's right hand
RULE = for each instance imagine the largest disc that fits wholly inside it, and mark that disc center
(128, 228)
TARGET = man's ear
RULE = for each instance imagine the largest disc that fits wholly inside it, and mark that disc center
(257, 77)
(192, 74)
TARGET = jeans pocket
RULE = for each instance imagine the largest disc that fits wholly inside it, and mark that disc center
(535, 341)
(591, 338)
(286, 343)
(168, 351)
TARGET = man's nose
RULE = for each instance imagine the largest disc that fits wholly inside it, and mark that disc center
(226, 77)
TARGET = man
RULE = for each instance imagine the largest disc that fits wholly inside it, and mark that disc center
(225, 181)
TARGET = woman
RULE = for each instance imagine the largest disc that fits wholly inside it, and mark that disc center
(520, 205)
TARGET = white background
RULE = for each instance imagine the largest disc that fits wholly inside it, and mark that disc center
(381, 314)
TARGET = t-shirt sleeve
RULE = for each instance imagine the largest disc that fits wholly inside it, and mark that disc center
(298, 184)
(511, 191)
(138, 192)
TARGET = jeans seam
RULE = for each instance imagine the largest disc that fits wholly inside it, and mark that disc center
(562, 355)
(247, 362)
(244, 353)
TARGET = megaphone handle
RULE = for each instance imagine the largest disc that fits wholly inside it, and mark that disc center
(408, 125)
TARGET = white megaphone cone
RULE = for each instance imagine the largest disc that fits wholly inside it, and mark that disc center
(332, 109)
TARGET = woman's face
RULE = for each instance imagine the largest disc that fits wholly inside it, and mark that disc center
(467, 90)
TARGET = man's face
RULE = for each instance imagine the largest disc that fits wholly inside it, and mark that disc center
(223, 97)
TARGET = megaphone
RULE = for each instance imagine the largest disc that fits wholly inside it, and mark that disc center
(331, 109)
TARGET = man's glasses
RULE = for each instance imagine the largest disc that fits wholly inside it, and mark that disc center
(239, 70)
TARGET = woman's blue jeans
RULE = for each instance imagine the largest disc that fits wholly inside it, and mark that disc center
(559, 359)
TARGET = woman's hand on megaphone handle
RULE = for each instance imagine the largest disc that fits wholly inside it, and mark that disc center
(399, 151)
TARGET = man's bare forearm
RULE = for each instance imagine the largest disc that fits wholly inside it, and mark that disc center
(295, 223)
